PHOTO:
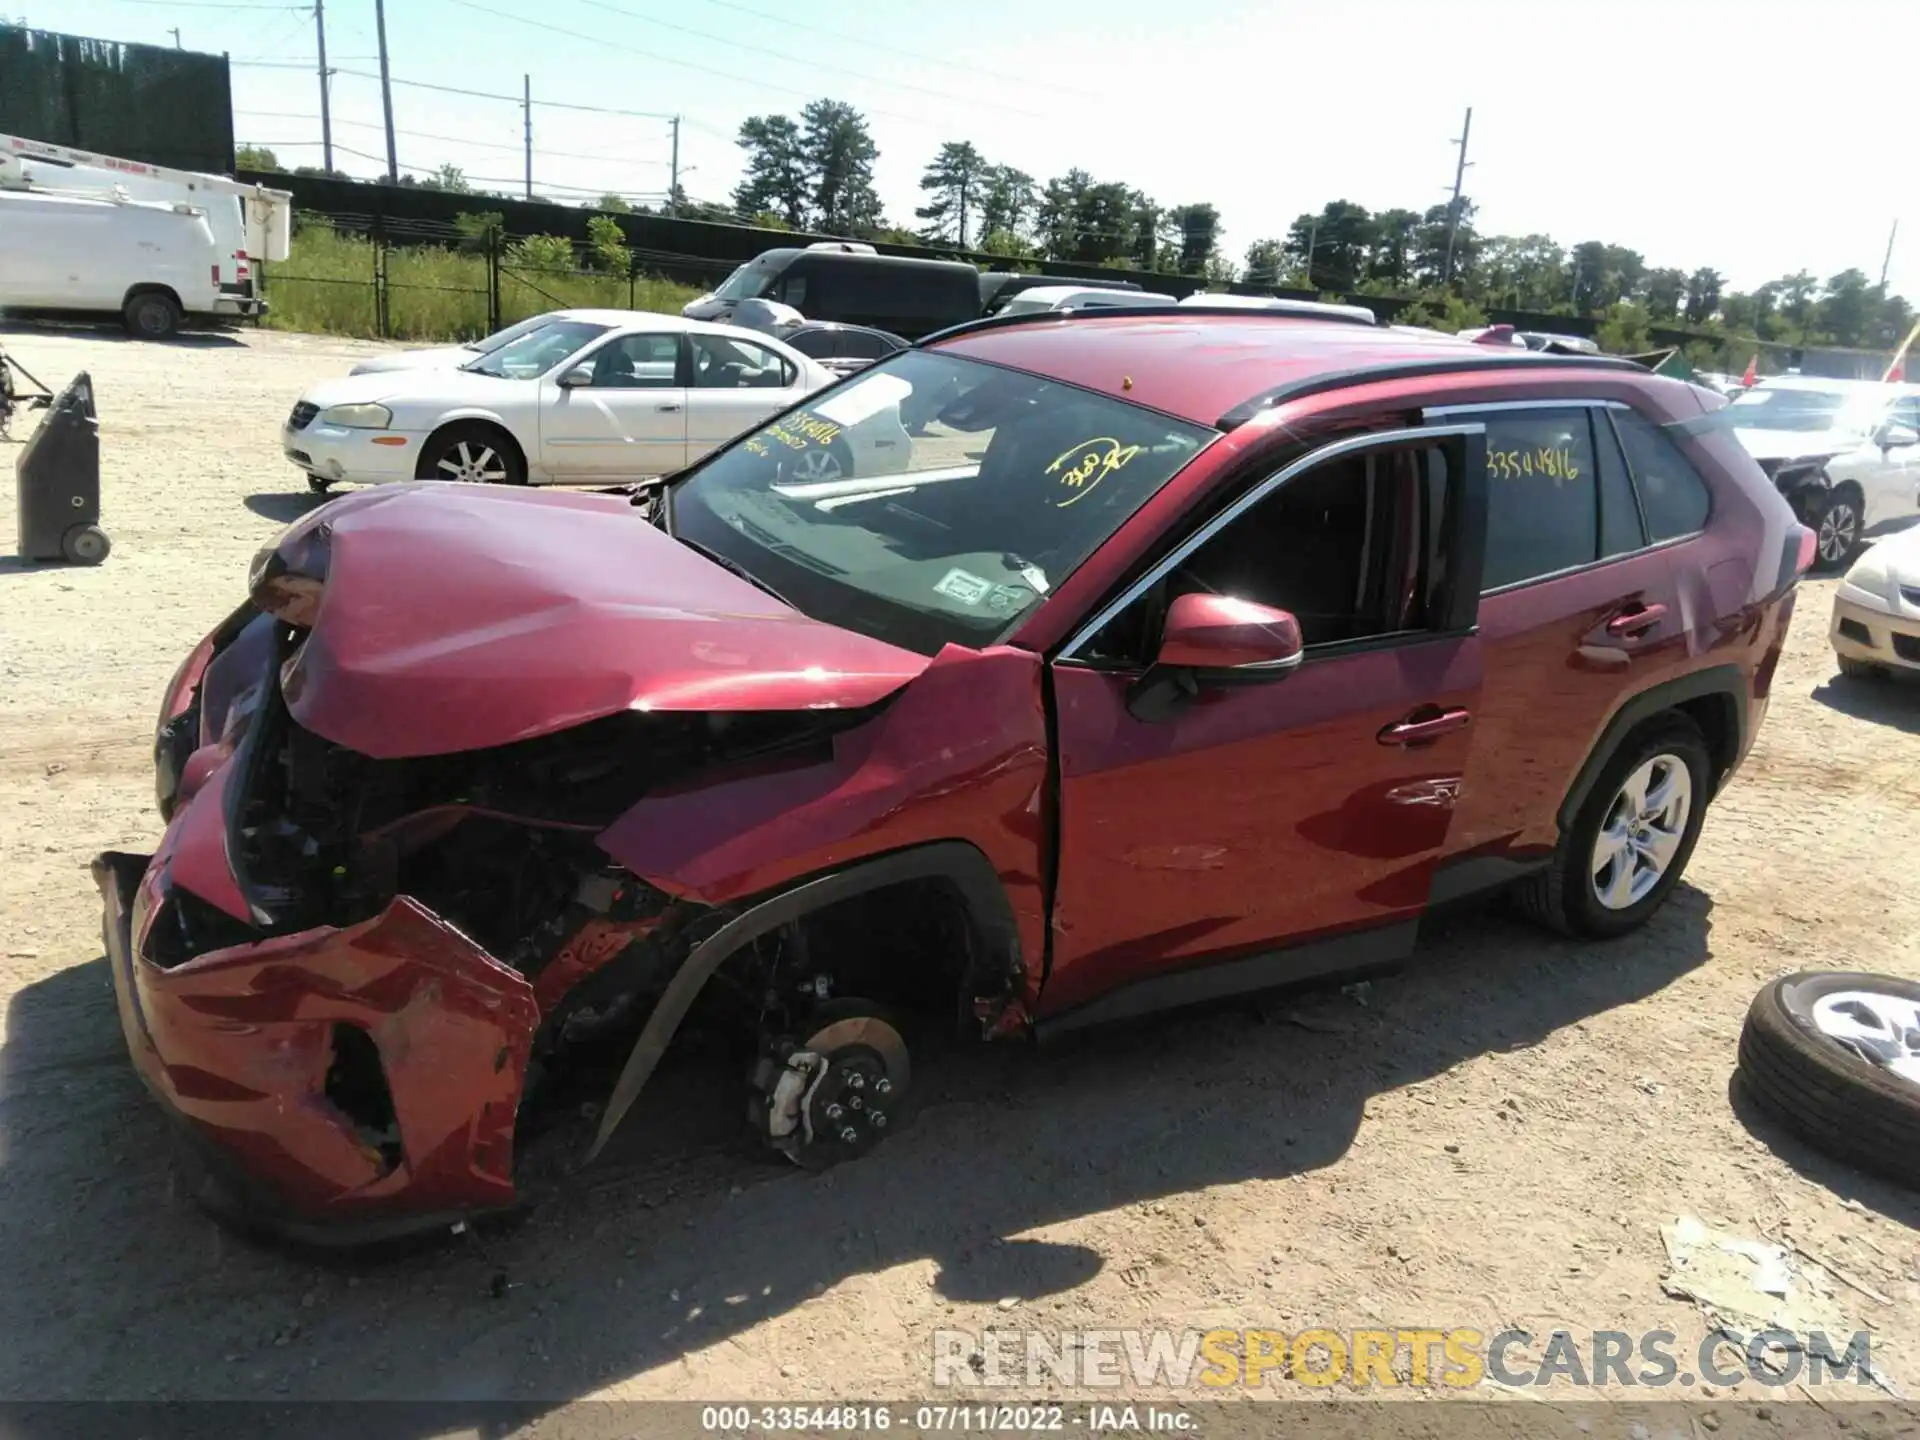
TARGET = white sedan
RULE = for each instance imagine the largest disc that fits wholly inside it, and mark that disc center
(574, 401)
(1876, 610)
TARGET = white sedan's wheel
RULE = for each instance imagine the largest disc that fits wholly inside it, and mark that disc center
(472, 463)
(471, 455)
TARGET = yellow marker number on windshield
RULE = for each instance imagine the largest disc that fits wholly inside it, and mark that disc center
(1083, 467)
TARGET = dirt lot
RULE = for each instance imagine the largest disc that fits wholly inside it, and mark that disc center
(1492, 1139)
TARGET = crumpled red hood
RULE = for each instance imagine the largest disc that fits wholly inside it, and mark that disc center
(457, 617)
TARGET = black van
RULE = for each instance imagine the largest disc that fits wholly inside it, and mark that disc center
(854, 285)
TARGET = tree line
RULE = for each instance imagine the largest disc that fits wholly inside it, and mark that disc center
(814, 172)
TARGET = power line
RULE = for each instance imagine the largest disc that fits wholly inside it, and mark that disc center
(458, 139)
(511, 99)
(847, 39)
(737, 44)
(480, 179)
(658, 58)
(211, 4)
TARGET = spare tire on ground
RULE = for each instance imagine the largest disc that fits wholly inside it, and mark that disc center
(1834, 1055)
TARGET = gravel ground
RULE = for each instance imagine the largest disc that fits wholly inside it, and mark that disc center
(1492, 1139)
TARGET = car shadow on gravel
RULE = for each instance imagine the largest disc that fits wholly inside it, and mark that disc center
(1886, 700)
(686, 1241)
(285, 507)
(1849, 1182)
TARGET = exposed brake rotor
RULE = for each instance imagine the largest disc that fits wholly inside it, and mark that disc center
(836, 1094)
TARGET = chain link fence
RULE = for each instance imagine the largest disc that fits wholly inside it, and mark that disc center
(384, 278)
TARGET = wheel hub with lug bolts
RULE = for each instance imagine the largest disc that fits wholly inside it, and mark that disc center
(841, 1102)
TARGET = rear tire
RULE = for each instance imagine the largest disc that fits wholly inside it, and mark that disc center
(474, 454)
(151, 315)
(1567, 895)
(1837, 523)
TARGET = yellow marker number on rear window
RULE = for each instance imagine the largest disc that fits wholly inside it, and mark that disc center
(1555, 463)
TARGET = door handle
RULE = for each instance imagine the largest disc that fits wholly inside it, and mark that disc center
(1632, 623)
(1431, 725)
(668, 405)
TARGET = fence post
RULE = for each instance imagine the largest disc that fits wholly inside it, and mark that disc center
(493, 279)
(630, 304)
(381, 318)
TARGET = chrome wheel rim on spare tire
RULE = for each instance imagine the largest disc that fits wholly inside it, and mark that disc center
(1642, 832)
(1882, 1029)
(1838, 527)
(473, 463)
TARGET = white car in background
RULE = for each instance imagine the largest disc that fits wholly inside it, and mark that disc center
(1845, 453)
(1043, 298)
(574, 401)
(452, 357)
(1876, 610)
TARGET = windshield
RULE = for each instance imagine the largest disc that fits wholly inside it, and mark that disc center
(750, 280)
(932, 500)
(513, 332)
(537, 351)
(1785, 409)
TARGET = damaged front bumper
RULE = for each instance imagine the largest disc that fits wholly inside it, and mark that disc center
(339, 1085)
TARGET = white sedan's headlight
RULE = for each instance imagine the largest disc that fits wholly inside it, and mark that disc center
(1868, 579)
(357, 417)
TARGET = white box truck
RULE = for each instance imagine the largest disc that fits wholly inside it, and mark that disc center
(87, 233)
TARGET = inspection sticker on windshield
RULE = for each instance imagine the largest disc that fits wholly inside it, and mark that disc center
(869, 397)
(959, 585)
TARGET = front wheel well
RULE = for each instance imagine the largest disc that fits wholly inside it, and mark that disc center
(466, 422)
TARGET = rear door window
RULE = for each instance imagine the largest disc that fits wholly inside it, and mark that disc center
(1543, 508)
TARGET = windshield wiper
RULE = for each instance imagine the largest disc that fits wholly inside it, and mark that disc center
(736, 568)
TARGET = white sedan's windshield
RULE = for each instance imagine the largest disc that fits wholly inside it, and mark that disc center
(537, 351)
(507, 336)
(932, 500)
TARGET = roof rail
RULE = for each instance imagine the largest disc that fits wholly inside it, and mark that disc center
(1134, 312)
(1471, 358)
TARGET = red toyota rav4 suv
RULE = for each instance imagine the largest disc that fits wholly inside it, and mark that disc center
(1059, 669)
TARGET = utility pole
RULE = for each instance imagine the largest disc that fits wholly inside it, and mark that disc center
(175, 33)
(1313, 238)
(673, 184)
(386, 90)
(326, 109)
(1453, 206)
(526, 120)
(1888, 258)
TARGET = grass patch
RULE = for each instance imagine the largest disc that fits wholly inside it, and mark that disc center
(434, 292)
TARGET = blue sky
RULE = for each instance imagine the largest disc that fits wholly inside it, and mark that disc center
(1647, 123)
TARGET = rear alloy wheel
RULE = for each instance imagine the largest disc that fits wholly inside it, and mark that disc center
(1836, 521)
(1835, 1057)
(472, 455)
(1630, 842)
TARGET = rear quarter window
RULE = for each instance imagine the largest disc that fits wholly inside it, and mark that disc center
(1673, 497)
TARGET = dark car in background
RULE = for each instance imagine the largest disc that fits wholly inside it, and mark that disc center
(851, 283)
(842, 348)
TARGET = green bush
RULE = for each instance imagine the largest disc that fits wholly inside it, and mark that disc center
(435, 293)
